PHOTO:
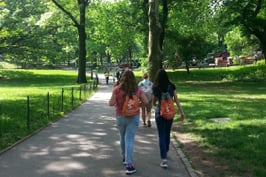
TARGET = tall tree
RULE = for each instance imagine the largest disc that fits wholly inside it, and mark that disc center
(80, 25)
(155, 29)
(117, 36)
(163, 21)
(248, 14)
(22, 38)
(186, 33)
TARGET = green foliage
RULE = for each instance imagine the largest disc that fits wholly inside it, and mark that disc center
(240, 45)
(37, 34)
(34, 33)
(188, 33)
(19, 20)
(248, 15)
(112, 33)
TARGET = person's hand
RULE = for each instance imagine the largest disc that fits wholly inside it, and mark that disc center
(182, 116)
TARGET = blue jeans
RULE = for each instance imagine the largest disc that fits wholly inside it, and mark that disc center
(164, 129)
(127, 128)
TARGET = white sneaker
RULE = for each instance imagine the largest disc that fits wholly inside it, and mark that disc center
(164, 164)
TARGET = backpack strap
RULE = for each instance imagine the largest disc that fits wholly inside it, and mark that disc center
(169, 90)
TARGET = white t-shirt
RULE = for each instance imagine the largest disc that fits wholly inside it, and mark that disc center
(146, 86)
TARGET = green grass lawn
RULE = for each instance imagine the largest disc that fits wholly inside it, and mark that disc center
(43, 88)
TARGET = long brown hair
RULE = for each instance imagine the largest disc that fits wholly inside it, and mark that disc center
(128, 82)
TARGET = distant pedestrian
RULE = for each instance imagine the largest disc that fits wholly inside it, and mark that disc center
(97, 78)
(127, 125)
(146, 86)
(162, 84)
(114, 77)
(106, 74)
(118, 75)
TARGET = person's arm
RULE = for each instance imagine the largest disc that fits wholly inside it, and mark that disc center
(154, 100)
(144, 100)
(112, 101)
(182, 115)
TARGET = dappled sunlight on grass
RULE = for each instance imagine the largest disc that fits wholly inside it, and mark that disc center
(233, 140)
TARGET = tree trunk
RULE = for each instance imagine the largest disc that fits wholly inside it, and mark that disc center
(263, 46)
(82, 36)
(130, 57)
(261, 35)
(82, 45)
(155, 52)
(163, 22)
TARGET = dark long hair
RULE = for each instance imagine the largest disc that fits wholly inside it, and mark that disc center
(161, 81)
(128, 82)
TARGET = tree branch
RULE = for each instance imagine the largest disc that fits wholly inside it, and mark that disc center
(67, 13)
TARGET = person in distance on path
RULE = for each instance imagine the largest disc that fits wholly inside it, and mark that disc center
(146, 86)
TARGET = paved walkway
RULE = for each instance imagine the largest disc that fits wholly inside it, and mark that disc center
(85, 143)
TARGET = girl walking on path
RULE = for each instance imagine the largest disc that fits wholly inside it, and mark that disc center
(146, 86)
(127, 125)
(162, 84)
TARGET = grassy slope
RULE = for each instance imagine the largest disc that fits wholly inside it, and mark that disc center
(240, 142)
(17, 85)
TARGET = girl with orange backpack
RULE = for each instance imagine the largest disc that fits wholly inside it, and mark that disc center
(127, 123)
(163, 85)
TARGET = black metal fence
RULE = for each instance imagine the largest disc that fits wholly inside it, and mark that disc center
(22, 116)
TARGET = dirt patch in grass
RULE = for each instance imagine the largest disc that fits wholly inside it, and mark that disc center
(202, 160)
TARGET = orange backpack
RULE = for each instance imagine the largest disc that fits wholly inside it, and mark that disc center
(167, 108)
(130, 106)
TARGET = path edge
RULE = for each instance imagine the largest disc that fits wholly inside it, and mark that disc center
(181, 154)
